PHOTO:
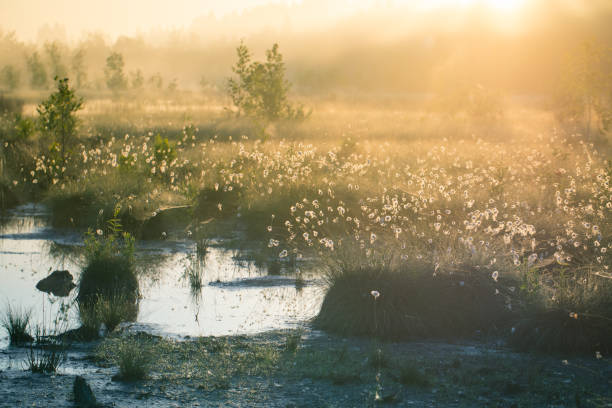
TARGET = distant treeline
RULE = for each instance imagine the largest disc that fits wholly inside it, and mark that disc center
(384, 51)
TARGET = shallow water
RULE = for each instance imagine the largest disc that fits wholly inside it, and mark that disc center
(236, 296)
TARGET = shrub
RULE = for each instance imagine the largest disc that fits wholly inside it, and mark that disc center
(407, 304)
(260, 91)
(57, 115)
(16, 322)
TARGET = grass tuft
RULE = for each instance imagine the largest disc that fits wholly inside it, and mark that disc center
(16, 322)
(46, 354)
(108, 310)
(134, 362)
(293, 341)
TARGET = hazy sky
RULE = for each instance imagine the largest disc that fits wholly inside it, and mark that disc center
(113, 17)
(69, 19)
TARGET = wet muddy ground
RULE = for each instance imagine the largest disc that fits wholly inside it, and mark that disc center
(323, 371)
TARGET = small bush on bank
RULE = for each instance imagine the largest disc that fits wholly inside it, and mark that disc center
(406, 304)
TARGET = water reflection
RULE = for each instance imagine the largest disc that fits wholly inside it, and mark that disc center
(187, 288)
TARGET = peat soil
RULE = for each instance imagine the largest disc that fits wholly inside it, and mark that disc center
(308, 368)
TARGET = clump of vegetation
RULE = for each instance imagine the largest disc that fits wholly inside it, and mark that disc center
(110, 310)
(294, 339)
(194, 272)
(16, 322)
(576, 319)
(134, 362)
(406, 303)
(108, 287)
(48, 351)
(44, 358)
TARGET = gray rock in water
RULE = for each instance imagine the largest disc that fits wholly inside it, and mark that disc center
(83, 395)
(58, 283)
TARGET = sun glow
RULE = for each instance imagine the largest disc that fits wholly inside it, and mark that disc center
(495, 5)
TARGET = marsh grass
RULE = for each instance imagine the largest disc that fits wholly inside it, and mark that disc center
(212, 361)
(134, 362)
(412, 304)
(48, 352)
(195, 275)
(294, 339)
(110, 311)
(470, 192)
(196, 263)
(44, 359)
(577, 319)
(16, 322)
